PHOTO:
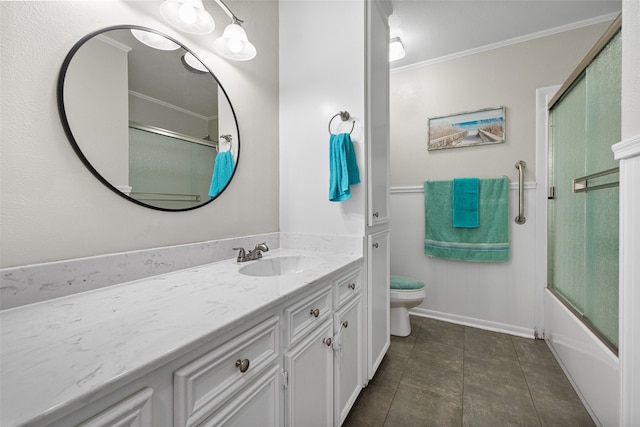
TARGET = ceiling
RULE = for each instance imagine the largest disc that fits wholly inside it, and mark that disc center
(433, 29)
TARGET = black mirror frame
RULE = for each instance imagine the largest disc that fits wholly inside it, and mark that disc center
(74, 143)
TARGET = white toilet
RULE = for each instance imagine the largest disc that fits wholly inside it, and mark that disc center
(405, 293)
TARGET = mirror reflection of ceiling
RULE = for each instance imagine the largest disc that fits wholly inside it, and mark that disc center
(148, 72)
(434, 29)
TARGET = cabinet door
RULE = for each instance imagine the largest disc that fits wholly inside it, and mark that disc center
(347, 358)
(377, 113)
(378, 333)
(309, 366)
(134, 411)
(257, 405)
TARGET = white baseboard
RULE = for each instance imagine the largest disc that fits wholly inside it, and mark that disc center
(473, 322)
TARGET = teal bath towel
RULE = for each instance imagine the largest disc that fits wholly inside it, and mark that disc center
(343, 167)
(465, 202)
(489, 242)
(222, 172)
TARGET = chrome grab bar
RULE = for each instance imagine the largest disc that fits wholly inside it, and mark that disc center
(520, 219)
(581, 185)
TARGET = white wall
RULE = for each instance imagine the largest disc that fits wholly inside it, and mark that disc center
(495, 296)
(52, 206)
(319, 76)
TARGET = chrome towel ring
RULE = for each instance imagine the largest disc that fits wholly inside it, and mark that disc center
(344, 116)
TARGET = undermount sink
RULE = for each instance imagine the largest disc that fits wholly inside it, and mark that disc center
(280, 266)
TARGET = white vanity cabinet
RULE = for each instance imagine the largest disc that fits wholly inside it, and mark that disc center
(348, 358)
(309, 379)
(294, 361)
(323, 366)
(204, 387)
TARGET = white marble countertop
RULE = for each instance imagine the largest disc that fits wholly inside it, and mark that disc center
(55, 355)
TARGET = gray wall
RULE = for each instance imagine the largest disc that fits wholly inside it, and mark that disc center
(52, 208)
(505, 76)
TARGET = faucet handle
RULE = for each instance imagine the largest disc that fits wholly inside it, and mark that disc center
(262, 246)
(242, 256)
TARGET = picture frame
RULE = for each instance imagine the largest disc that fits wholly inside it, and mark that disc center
(471, 128)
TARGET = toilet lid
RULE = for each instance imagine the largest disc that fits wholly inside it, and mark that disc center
(401, 282)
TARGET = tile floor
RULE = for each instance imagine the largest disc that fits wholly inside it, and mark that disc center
(451, 375)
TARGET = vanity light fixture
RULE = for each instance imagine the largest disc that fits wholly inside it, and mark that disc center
(154, 40)
(233, 44)
(191, 17)
(396, 49)
(192, 64)
(188, 16)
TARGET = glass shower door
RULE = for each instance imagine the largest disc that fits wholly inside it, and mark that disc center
(583, 212)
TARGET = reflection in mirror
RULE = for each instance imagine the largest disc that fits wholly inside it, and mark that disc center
(148, 121)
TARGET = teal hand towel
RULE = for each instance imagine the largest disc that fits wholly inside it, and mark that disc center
(343, 167)
(222, 172)
(465, 202)
(489, 242)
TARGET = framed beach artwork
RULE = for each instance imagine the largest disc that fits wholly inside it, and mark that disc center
(481, 127)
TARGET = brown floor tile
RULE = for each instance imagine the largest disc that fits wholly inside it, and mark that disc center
(533, 352)
(489, 343)
(372, 406)
(436, 331)
(558, 413)
(433, 353)
(424, 377)
(493, 372)
(422, 409)
(550, 382)
(451, 375)
(503, 406)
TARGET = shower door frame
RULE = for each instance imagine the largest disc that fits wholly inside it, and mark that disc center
(590, 365)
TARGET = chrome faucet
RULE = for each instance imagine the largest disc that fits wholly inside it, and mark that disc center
(251, 255)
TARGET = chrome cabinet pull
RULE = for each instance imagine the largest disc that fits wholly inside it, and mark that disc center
(351, 286)
(314, 312)
(375, 245)
(327, 341)
(376, 214)
(243, 365)
(345, 324)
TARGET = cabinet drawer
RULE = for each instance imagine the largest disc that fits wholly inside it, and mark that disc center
(347, 286)
(134, 410)
(307, 314)
(202, 386)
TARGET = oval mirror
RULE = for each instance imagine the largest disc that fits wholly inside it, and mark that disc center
(152, 123)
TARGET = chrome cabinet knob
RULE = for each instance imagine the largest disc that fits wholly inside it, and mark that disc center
(345, 324)
(376, 214)
(243, 365)
(315, 312)
(375, 245)
(351, 286)
(328, 341)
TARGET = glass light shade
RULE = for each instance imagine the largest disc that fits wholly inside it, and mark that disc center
(194, 63)
(188, 16)
(396, 49)
(233, 44)
(154, 40)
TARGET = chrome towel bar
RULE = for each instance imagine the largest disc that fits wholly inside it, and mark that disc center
(520, 219)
